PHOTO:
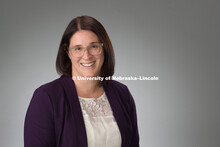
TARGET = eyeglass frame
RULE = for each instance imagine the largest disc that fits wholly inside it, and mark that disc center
(87, 48)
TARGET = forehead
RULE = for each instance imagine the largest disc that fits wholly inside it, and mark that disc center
(83, 37)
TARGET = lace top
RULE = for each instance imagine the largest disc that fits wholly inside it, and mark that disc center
(101, 127)
(96, 107)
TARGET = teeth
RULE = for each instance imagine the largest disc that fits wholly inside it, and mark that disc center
(87, 64)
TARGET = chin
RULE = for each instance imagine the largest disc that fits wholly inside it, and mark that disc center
(90, 75)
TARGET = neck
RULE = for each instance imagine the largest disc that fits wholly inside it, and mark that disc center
(88, 88)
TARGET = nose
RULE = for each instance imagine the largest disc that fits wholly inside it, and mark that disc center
(86, 54)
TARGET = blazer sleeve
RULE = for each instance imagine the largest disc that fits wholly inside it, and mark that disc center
(39, 125)
(133, 115)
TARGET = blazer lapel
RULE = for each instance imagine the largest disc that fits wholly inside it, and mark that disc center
(76, 110)
(117, 108)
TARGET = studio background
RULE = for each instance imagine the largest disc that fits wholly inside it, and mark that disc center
(176, 40)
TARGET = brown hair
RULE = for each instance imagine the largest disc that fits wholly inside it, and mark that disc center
(63, 63)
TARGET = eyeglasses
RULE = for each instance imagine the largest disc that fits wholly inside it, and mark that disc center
(93, 49)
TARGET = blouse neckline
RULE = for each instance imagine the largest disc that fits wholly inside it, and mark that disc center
(91, 98)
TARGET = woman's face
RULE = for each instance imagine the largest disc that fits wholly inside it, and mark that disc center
(88, 65)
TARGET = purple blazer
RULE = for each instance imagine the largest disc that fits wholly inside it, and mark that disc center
(54, 117)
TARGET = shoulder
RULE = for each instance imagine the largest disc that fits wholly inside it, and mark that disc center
(53, 87)
(121, 89)
(52, 93)
(119, 86)
(121, 93)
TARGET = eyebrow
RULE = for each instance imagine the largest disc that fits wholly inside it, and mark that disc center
(81, 45)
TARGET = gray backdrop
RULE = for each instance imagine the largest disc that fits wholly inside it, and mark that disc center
(176, 40)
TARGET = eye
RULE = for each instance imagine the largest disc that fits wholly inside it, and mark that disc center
(77, 48)
(95, 46)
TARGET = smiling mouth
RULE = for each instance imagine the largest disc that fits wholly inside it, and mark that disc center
(87, 64)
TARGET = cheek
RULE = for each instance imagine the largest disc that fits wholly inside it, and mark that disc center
(75, 60)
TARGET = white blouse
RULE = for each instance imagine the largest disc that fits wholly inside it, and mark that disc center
(101, 127)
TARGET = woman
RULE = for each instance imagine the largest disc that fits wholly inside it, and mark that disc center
(76, 112)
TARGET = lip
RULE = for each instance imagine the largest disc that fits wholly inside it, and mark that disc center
(88, 64)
